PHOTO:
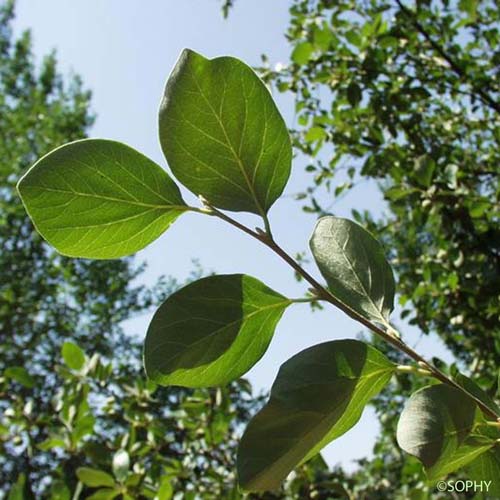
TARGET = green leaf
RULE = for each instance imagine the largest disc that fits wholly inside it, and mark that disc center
(121, 464)
(471, 386)
(166, 490)
(315, 134)
(450, 175)
(73, 356)
(104, 494)
(319, 395)
(434, 424)
(354, 38)
(222, 134)
(60, 491)
(20, 375)
(354, 266)
(302, 53)
(424, 167)
(99, 199)
(94, 477)
(469, 450)
(20, 489)
(50, 443)
(487, 468)
(212, 331)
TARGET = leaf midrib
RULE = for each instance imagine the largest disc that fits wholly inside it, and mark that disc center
(111, 198)
(343, 253)
(251, 190)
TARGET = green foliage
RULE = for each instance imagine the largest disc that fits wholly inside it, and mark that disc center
(436, 427)
(486, 465)
(94, 477)
(57, 414)
(409, 100)
(109, 430)
(479, 393)
(319, 395)
(20, 375)
(405, 95)
(99, 199)
(73, 356)
(222, 134)
(225, 140)
(205, 334)
(354, 267)
(212, 331)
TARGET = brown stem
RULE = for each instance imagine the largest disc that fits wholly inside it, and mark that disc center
(325, 294)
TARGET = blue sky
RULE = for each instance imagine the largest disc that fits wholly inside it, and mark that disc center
(124, 52)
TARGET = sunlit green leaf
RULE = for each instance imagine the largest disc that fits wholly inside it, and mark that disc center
(212, 331)
(424, 168)
(60, 491)
(315, 134)
(486, 468)
(20, 375)
(302, 52)
(99, 199)
(94, 477)
(73, 356)
(222, 134)
(353, 264)
(51, 442)
(469, 450)
(319, 395)
(166, 490)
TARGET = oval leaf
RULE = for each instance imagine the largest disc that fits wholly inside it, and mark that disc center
(99, 199)
(319, 395)
(121, 464)
(73, 356)
(94, 477)
(435, 422)
(20, 375)
(353, 264)
(222, 134)
(212, 331)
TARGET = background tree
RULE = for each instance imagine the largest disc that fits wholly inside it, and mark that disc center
(90, 447)
(406, 94)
